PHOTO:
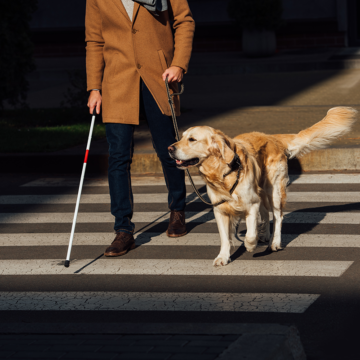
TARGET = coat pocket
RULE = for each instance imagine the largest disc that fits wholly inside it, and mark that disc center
(163, 61)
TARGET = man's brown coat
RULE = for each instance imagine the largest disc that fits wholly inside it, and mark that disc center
(120, 52)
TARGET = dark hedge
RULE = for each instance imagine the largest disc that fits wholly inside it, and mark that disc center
(16, 54)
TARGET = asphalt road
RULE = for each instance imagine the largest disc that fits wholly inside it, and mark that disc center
(313, 283)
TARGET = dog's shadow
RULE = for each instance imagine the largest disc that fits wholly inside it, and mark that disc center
(290, 230)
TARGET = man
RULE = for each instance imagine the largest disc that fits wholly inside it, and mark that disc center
(130, 51)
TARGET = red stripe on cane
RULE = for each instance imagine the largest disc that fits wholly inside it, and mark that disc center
(86, 156)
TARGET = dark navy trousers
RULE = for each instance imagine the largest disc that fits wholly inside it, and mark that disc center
(120, 138)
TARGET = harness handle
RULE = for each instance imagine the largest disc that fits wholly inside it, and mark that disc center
(173, 115)
(182, 89)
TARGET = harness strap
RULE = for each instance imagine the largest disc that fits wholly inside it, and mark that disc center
(234, 165)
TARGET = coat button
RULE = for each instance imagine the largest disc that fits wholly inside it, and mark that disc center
(134, 31)
(138, 66)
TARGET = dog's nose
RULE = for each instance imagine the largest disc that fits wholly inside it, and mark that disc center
(171, 148)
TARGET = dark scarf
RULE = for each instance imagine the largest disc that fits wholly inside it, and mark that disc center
(154, 6)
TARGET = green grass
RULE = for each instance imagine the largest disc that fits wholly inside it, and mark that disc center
(46, 139)
(45, 130)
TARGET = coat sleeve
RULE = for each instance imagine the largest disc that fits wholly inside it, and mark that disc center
(94, 46)
(184, 26)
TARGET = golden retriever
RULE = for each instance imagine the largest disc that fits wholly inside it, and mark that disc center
(263, 173)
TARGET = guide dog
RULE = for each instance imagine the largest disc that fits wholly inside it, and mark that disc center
(246, 177)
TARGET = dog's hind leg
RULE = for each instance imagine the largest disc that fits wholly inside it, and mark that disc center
(277, 200)
(264, 226)
(275, 242)
(223, 223)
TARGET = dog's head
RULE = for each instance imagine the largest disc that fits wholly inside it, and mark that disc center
(199, 143)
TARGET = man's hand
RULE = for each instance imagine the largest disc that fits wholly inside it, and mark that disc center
(95, 100)
(173, 74)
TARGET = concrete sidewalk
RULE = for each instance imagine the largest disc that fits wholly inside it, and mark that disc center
(50, 80)
(234, 102)
(343, 155)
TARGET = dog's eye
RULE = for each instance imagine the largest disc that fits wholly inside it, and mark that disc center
(192, 139)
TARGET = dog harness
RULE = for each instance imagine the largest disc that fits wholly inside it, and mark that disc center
(235, 165)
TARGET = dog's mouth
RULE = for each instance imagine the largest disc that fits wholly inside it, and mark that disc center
(187, 163)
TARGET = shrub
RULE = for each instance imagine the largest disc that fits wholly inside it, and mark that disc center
(256, 14)
(16, 59)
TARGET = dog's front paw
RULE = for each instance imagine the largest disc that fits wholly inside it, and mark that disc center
(250, 244)
(274, 247)
(221, 261)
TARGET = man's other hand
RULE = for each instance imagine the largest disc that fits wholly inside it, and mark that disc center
(173, 73)
(95, 100)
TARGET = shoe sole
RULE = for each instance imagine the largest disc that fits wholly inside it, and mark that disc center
(132, 247)
(176, 235)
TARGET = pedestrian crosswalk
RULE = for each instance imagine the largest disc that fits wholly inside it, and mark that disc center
(157, 239)
(323, 212)
(175, 267)
(162, 198)
(191, 216)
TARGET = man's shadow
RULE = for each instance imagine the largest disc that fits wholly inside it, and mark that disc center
(193, 204)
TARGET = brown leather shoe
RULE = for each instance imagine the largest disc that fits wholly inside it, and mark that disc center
(177, 226)
(122, 243)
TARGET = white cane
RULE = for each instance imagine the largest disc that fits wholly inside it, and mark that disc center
(67, 261)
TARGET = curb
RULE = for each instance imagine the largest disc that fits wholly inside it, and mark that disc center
(338, 159)
(67, 164)
(256, 341)
(331, 159)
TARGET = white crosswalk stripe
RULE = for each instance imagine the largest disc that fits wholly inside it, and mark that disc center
(201, 216)
(161, 239)
(350, 197)
(176, 267)
(148, 301)
(148, 180)
(284, 302)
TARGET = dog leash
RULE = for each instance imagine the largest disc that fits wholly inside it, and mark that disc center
(234, 163)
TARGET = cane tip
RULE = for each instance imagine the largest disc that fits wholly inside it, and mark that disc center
(67, 263)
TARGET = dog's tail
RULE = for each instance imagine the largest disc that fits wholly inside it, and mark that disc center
(337, 122)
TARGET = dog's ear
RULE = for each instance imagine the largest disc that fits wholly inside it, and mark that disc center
(217, 145)
(220, 143)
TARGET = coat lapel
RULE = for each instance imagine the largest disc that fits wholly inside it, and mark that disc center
(120, 6)
(136, 10)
